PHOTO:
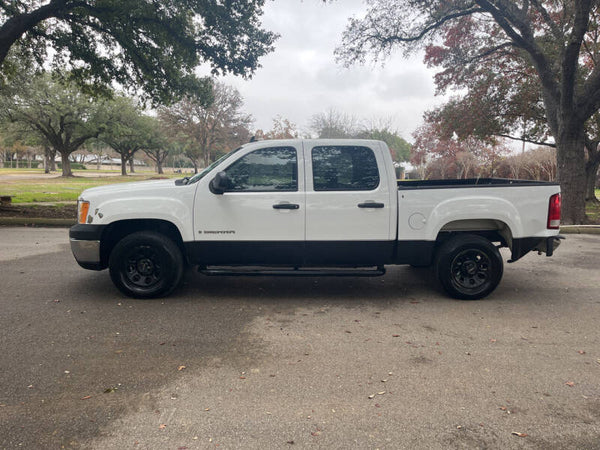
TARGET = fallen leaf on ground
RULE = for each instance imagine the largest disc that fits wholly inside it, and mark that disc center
(86, 397)
(180, 368)
(581, 352)
(518, 434)
(570, 383)
(162, 426)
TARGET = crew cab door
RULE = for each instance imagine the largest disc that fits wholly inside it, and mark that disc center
(260, 218)
(348, 205)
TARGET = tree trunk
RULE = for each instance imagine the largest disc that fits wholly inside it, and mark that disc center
(131, 169)
(123, 166)
(66, 164)
(159, 168)
(46, 160)
(570, 154)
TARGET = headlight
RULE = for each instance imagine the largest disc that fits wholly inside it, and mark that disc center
(83, 207)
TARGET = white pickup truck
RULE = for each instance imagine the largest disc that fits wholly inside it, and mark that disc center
(311, 207)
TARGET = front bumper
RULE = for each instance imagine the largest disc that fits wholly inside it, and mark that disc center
(85, 245)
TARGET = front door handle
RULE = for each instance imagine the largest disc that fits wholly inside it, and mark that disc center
(371, 205)
(286, 206)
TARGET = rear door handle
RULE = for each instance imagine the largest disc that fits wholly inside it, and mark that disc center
(286, 206)
(371, 205)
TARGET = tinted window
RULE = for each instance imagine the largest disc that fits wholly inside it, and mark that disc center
(344, 168)
(268, 169)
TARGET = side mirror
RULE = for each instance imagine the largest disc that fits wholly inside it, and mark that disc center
(219, 184)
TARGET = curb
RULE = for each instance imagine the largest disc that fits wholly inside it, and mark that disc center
(36, 222)
(580, 229)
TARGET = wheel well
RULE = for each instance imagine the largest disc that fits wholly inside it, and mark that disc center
(118, 230)
(493, 230)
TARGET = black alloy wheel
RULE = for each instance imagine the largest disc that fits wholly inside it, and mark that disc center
(469, 267)
(146, 264)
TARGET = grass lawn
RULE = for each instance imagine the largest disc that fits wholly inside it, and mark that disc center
(61, 189)
(593, 210)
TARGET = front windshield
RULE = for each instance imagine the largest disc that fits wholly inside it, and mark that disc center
(202, 174)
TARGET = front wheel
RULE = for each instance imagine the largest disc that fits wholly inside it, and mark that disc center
(146, 264)
(468, 266)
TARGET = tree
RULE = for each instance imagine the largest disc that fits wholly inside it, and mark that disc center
(57, 114)
(554, 40)
(399, 148)
(282, 129)
(450, 157)
(159, 147)
(333, 124)
(152, 44)
(128, 131)
(206, 129)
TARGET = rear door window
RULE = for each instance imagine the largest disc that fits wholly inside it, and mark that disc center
(344, 168)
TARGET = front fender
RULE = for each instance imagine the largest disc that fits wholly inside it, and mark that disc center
(174, 210)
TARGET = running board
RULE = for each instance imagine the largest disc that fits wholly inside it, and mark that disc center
(245, 271)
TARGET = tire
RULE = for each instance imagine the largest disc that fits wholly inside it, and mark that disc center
(146, 264)
(468, 267)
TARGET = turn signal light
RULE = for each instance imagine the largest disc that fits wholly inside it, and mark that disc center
(83, 208)
(554, 212)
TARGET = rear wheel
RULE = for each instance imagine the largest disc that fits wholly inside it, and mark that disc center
(146, 264)
(468, 266)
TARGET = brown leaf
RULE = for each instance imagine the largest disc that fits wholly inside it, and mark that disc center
(395, 335)
(570, 383)
(180, 368)
(518, 434)
(162, 426)
(581, 352)
(86, 397)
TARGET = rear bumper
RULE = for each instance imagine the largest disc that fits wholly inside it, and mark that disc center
(547, 245)
(85, 245)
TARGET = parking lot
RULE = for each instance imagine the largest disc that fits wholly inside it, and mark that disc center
(261, 362)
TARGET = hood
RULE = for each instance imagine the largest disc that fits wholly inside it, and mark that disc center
(136, 186)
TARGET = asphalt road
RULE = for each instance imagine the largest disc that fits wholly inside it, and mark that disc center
(277, 363)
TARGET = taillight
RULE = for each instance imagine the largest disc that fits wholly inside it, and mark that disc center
(554, 212)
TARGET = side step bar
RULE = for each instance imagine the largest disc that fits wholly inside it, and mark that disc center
(292, 272)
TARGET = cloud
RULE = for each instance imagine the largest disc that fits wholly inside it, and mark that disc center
(300, 78)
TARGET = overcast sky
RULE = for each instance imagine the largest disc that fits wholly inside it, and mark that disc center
(301, 78)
